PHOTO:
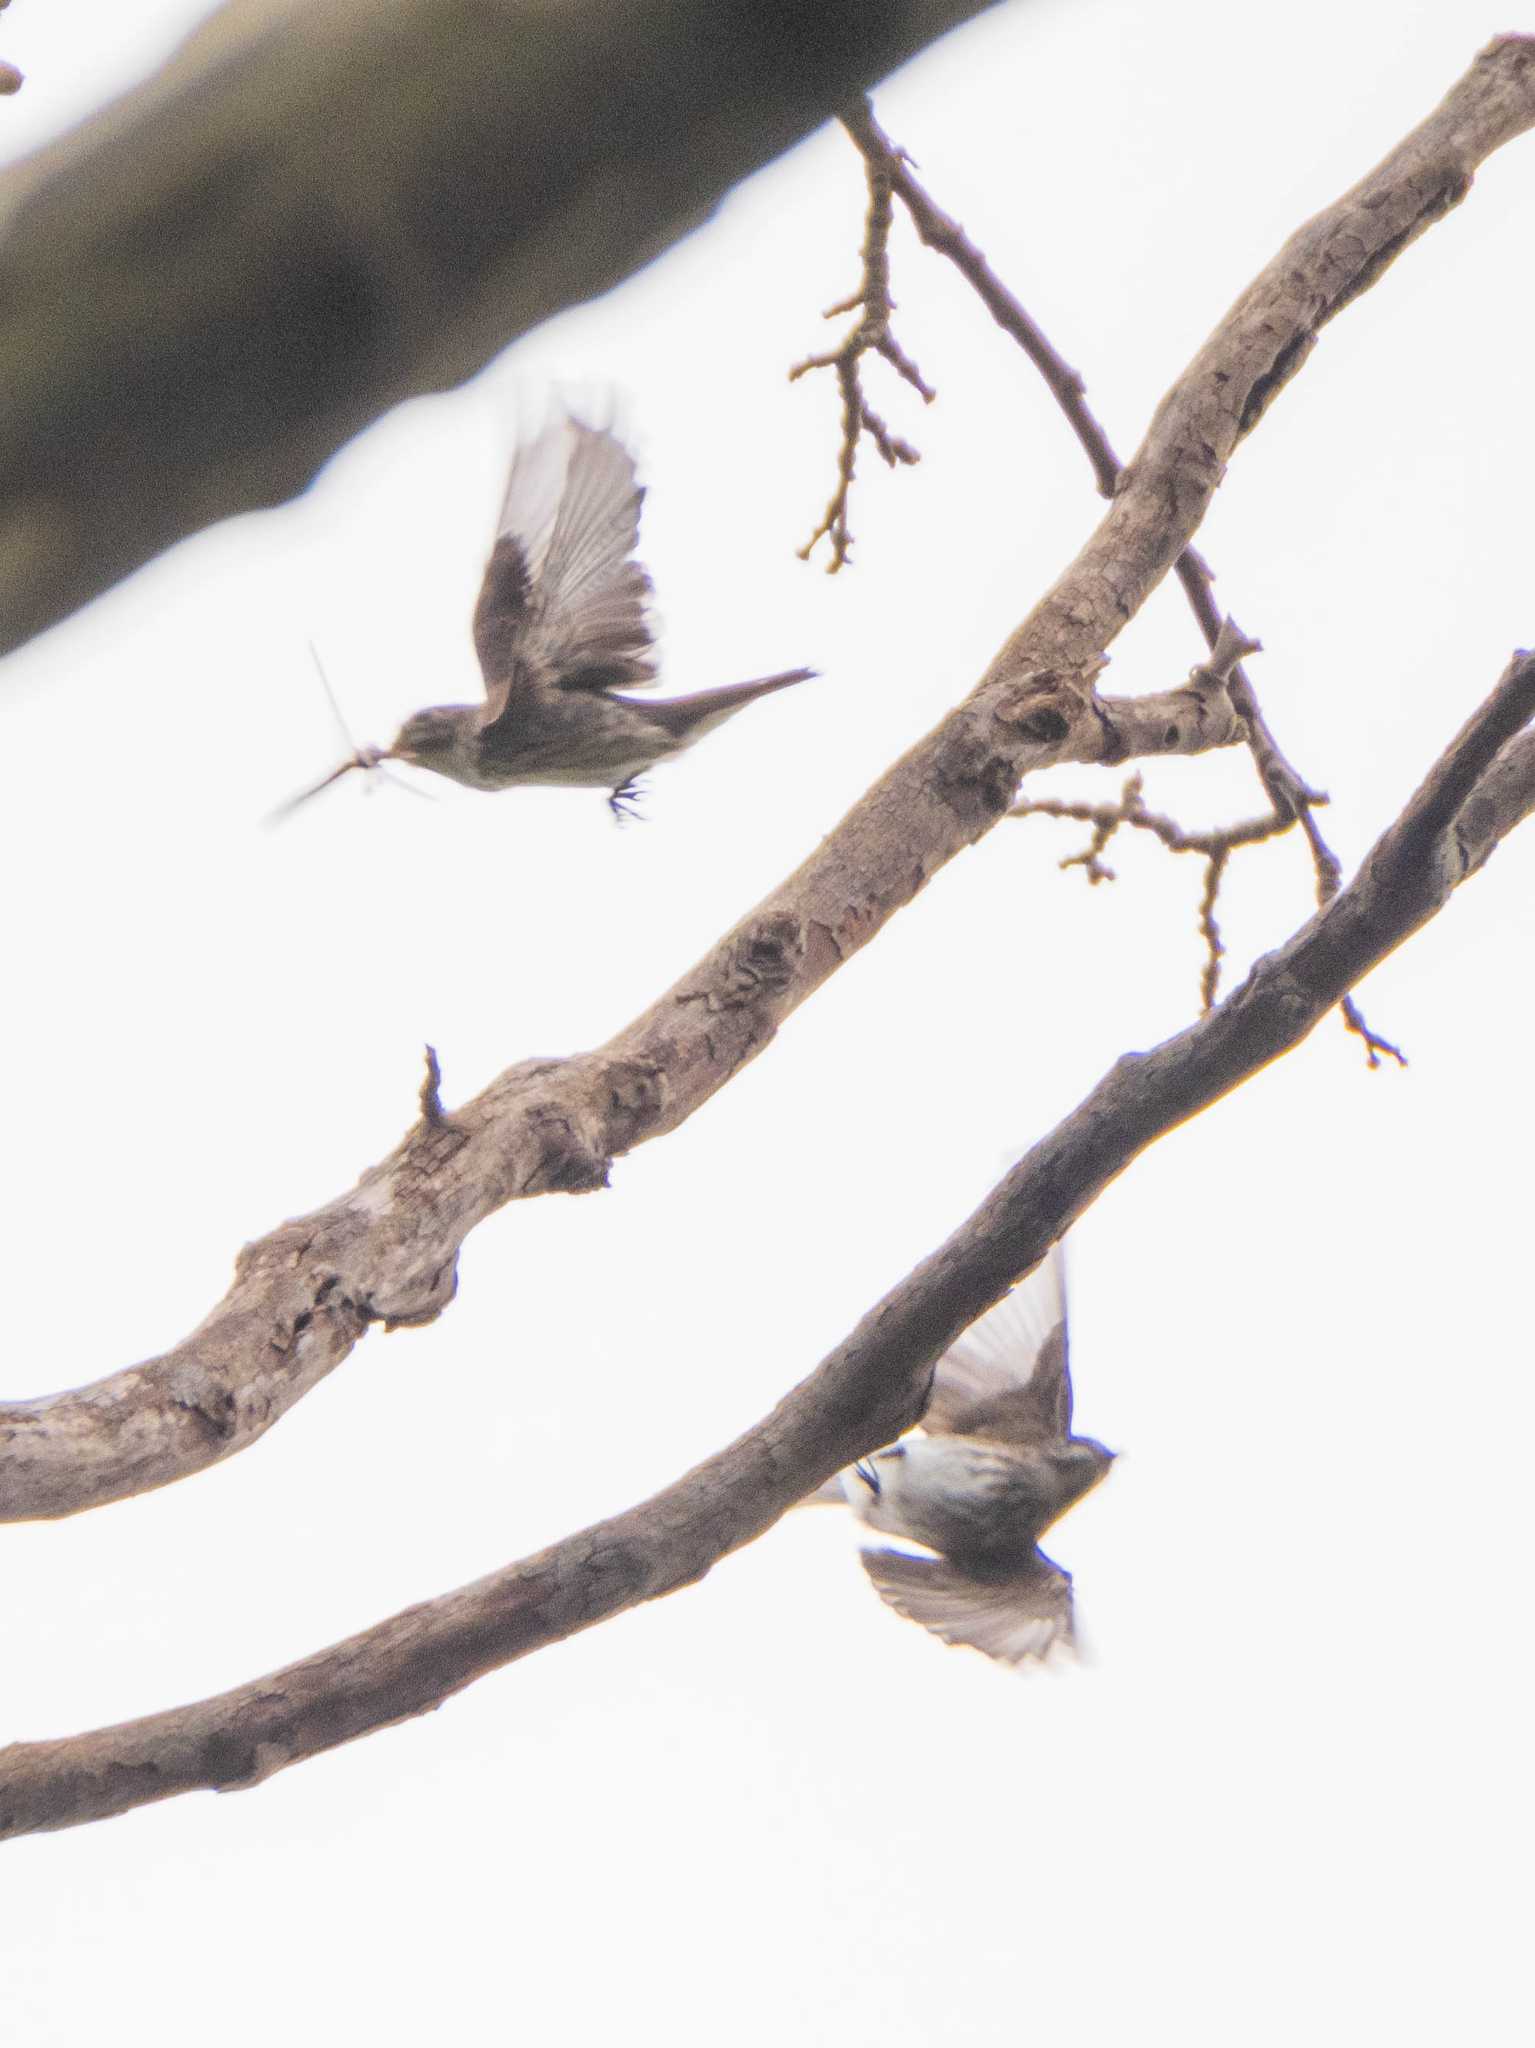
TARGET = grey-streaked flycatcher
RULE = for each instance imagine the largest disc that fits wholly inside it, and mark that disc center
(561, 626)
(996, 1463)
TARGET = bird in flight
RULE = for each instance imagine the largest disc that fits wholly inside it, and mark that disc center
(995, 1465)
(562, 630)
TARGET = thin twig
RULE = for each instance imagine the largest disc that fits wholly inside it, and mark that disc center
(1214, 847)
(870, 333)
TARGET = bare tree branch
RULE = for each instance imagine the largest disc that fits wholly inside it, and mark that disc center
(320, 210)
(386, 1251)
(864, 1394)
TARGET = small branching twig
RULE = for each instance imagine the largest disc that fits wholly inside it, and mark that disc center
(1106, 822)
(1374, 1044)
(1214, 847)
(1290, 795)
(871, 333)
(1209, 930)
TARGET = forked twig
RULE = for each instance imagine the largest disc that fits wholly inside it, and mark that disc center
(869, 334)
(1215, 848)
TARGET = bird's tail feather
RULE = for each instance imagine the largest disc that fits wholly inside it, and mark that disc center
(694, 715)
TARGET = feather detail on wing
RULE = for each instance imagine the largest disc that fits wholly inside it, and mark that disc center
(563, 603)
(1008, 1377)
(1015, 1620)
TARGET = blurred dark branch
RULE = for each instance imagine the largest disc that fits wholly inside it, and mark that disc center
(870, 1388)
(315, 212)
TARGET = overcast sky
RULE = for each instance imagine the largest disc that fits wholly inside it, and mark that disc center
(1287, 1795)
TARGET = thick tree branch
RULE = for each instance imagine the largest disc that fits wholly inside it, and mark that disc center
(386, 1252)
(318, 211)
(866, 1392)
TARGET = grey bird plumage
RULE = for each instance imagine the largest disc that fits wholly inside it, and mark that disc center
(994, 1466)
(562, 628)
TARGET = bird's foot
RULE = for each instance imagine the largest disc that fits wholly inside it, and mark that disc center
(624, 803)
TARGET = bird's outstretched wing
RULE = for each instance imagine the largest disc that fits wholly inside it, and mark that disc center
(563, 603)
(1016, 1619)
(1008, 1378)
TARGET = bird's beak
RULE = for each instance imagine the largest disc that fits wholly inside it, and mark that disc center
(365, 757)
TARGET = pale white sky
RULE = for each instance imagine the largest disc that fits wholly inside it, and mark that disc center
(1288, 1798)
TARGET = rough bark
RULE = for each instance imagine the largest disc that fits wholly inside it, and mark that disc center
(386, 1251)
(870, 1388)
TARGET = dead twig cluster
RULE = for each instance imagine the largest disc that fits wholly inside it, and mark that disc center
(870, 334)
(1215, 848)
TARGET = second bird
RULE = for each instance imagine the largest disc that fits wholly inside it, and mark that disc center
(996, 1464)
(562, 629)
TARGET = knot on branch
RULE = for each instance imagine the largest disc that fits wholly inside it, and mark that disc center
(245, 1754)
(1266, 387)
(329, 1309)
(762, 963)
(214, 1408)
(567, 1164)
(975, 778)
(1043, 706)
(636, 1094)
(421, 1298)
